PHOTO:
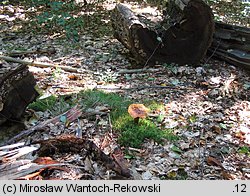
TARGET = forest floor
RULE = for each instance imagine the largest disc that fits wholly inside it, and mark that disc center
(207, 106)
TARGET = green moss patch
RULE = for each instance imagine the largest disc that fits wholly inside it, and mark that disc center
(130, 133)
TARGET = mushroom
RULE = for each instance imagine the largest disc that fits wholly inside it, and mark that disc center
(138, 111)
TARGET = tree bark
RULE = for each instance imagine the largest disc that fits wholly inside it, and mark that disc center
(232, 44)
(182, 38)
(16, 91)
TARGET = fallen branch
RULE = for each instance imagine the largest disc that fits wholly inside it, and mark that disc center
(11, 146)
(136, 150)
(17, 169)
(131, 71)
(144, 87)
(37, 51)
(40, 64)
(14, 154)
(75, 145)
(11, 168)
(71, 115)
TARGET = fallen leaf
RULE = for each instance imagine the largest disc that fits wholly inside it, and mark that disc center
(213, 161)
(45, 161)
(33, 176)
(216, 129)
(172, 174)
(227, 176)
(176, 149)
(174, 155)
(184, 146)
(240, 135)
(202, 142)
(223, 126)
(72, 77)
(121, 162)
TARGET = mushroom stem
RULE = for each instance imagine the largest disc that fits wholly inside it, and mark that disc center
(136, 120)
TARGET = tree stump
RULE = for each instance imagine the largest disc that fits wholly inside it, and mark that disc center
(16, 91)
(183, 37)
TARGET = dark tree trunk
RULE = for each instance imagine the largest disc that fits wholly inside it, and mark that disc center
(16, 91)
(182, 38)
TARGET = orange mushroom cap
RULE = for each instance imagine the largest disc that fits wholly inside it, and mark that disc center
(138, 111)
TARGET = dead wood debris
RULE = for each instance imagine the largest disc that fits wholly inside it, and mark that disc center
(71, 115)
(40, 64)
(11, 168)
(48, 51)
(144, 87)
(84, 147)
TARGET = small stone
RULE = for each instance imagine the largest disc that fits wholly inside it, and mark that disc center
(215, 80)
(213, 93)
(147, 175)
(174, 155)
(184, 146)
(141, 168)
(200, 71)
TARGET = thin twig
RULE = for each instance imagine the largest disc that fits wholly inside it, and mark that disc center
(152, 54)
(79, 129)
(213, 52)
(144, 87)
(110, 124)
(37, 51)
(202, 158)
(131, 71)
(40, 64)
(136, 150)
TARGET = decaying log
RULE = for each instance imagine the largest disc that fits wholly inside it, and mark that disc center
(16, 91)
(232, 44)
(182, 38)
(18, 169)
(11, 168)
(84, 147)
